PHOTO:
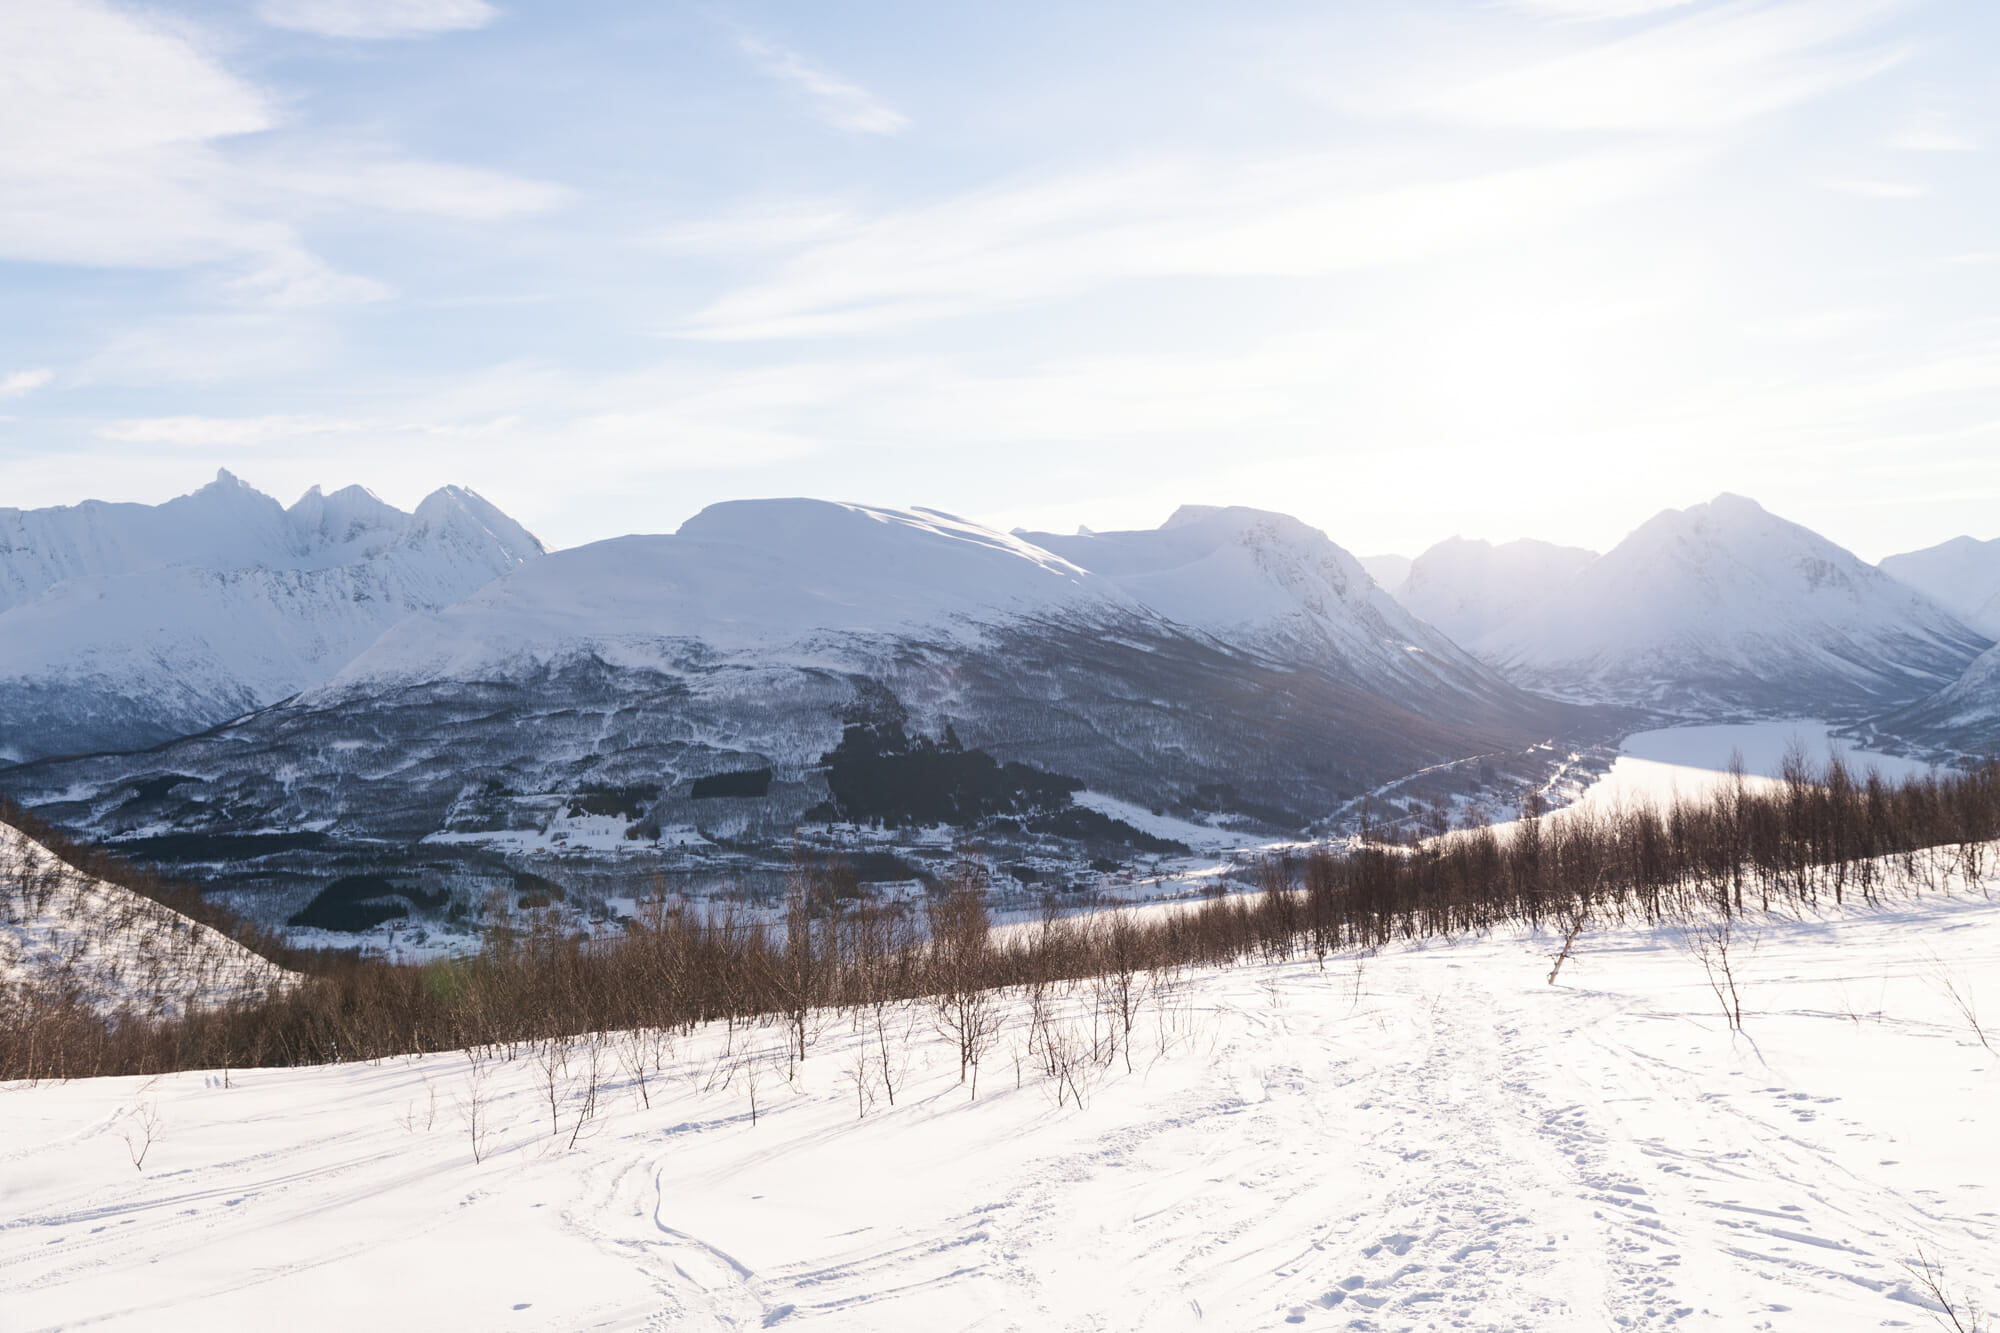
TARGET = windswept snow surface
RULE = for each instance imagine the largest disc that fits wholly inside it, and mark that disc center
(63, 933)
(1432, 1138)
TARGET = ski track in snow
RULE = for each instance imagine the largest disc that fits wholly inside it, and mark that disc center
(1431, 1138)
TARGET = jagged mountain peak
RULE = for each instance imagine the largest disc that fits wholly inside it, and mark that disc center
(1726, 605)
(1272, 584)
(1962, 575)
(124, 624)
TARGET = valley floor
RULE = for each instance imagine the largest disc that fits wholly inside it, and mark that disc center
(1432, 1138)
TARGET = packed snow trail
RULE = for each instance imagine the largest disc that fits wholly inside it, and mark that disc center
(1431, 1138)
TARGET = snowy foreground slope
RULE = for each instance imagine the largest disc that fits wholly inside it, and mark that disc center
(1434, 1138)
(64, 933)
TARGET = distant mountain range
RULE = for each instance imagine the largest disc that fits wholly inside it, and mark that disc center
(124, 625)
(417, 703)
(1961, 575)
(1718, 610)
(782, 662)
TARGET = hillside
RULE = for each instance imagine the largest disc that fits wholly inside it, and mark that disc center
(67, 936)
(1268, 584)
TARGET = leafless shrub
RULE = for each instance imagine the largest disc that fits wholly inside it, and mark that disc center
(1960, 1314)
(1959, 992)
(1710, 943)
(537, 982)
(142, 1131)
(473, 1109)
(411, 1118)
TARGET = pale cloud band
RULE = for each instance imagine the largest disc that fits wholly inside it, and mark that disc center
(376, 19)
(845, 105)
(23, 382)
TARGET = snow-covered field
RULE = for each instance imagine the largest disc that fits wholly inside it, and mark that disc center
(1431, 1138)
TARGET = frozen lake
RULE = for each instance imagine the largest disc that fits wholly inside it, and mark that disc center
(1654, 766)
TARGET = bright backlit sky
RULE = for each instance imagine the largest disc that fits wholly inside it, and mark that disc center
(1402, 268)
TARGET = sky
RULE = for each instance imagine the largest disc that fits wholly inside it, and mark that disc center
(1406, 269)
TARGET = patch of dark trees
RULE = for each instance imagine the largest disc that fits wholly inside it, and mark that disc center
(745, 783)
(881, 775)
(620, 802)
(218, 847)
(355, 903)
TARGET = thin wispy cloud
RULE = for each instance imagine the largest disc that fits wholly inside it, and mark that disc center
(839, 102)
(23, 382)
(229, 431)
(1934, 133)
(126, 144)
(372, 180)
(1042, 240)
(1705, 71)
(1878, 189)
(376, 20)
(1587, 10)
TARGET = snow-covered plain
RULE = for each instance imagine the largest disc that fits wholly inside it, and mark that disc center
(1430, 1138)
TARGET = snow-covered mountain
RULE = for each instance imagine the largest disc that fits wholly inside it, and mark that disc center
(1961, 575)
(123, 625)
(1723, 607)
(1268, 584)
(1962, 718)
(785, 662)
(1469, 588)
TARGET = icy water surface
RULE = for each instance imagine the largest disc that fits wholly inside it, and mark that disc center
(1653, 766)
